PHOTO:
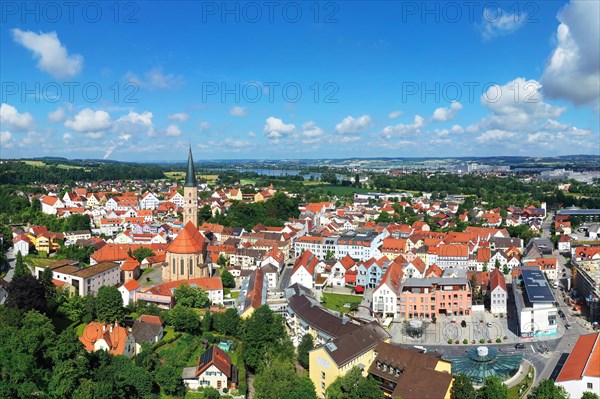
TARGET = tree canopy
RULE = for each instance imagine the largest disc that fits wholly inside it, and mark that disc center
(354, 386)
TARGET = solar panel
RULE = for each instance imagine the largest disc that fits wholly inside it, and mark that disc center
(536, 286)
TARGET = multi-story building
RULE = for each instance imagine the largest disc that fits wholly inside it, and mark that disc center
(83, 281)
(535, 302)
(435, 296)
(338, 356)
(498, 293)
(453, 255)
(385, 296)
(359, 245)
(586, 280)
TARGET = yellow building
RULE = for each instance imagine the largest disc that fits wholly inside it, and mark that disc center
(340, 355)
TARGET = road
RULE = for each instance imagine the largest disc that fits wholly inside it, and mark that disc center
(11, 262)
(284, 278)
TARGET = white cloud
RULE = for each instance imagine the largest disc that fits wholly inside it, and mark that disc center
(310, 129)
(89, 120)
(11, 118)
(573, 70)
(6, 140)
(517, 105)
(52, 55)
(498, 22)
(275, 129)
(394, 114)
(353, 125)
(173, 131)
(67, 137)
(203, 126)
(495, 135)
(58, 115)
(251, 134)
(345, 139)
(237, 111)
(180, 117)
(402, 129)
(94, 135)
(156, 79)
(446, 114)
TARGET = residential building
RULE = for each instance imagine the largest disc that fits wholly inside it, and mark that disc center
(498, 293)
(339, 355)
(128, 291)
(385, 296)
(586, 280)
(535, 302)
(147, 329)
(359, 245)
(214, 369)
(253, 293)
(453, 255)
(83, 281)
(435, 296)
(581, 372)
(71, 237)
(162, 295)
(305, 269)
(112, 338)
(410, 374)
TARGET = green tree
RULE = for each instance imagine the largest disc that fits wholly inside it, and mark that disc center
(169, 379)
(590, 395)
(277, 379)
(74, 308)
(211, 393)
(207, 321)
(384, 217)
(305, 346)
(462, 388)
(493, 388)
(26, 293)
(183, 318)
(109, 304)
(227, 323)
(21, 269)
(227, 279)
(77, 222)
(193, 297)
(204, 214)
(263, 332)
(142, 253)
(547, 389)
(354, 386)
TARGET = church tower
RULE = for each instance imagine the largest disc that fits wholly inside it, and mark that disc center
(190, 192)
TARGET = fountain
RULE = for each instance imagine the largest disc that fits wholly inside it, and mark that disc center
(482, 362)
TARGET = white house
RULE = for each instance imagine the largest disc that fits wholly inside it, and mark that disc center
(83, 281)
(271, 274)
(21, 244)
(385, 296)
(498, 293)
(149, 201)
(128, 291)
(214, 369)
(304, 270)
(50, 204)
(581, 372)
(177, 199)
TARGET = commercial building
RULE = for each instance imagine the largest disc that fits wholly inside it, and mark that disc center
(536, 305)
(83, 281)
(586, 280)
(359, 245)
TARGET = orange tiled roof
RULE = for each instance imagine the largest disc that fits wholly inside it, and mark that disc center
(188, 241)
(584, 359)
(115, 339)
(131, 285)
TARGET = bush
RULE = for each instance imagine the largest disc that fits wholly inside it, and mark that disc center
(498, 340)
(450, 340)
(457, 342)
(465, 341)
(481, 341)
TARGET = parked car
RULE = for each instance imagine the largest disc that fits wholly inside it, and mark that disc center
(561, 313)
(567, 326)
(520, 346)
(489, 324)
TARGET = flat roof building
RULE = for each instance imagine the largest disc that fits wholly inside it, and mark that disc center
(536, 305)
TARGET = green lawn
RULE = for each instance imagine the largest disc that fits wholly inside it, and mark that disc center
(344, 190)
(40, 262)
(336, 301)
(183, 352)
(244, 182)
(79, 329)
(513, 393)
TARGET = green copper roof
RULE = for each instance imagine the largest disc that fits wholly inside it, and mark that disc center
(190, 174)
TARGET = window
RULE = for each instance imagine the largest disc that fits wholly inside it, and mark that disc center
(590, 385)
(181, 267)
(323, 375)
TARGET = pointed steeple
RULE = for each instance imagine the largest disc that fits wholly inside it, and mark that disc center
(190, 175)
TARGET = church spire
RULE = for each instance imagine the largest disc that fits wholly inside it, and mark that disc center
(190, 175)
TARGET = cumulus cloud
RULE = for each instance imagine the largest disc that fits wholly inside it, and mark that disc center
(498, 22)
(51, 54)
(446, 114)
(67, 137)
(135, 123)
(6, 140)
(351, 125)
(494, 135)
(156, 79)
(402, 129)
(88, 120)
(275, 129)
(58, 115)
(237, 111)
(394, 114)
(180, 117)
(573, 69)
(251, 134)
(12, 119)
(173, 131)
(516, 106)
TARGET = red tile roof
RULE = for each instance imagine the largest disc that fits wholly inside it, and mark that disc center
(188, 241)
(497, 279)
(130, 264)
(115, 339)
(132, 285)
(584, 359)
(206, 283)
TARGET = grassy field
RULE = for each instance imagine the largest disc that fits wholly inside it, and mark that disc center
(244, 182)
(79, 329)
(336, 301)
(182, 352)
(40, 262)
(342, 190)
(513, 393)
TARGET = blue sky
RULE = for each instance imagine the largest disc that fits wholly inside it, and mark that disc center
(299, 79)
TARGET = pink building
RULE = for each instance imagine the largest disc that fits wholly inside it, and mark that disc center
(434, 296)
